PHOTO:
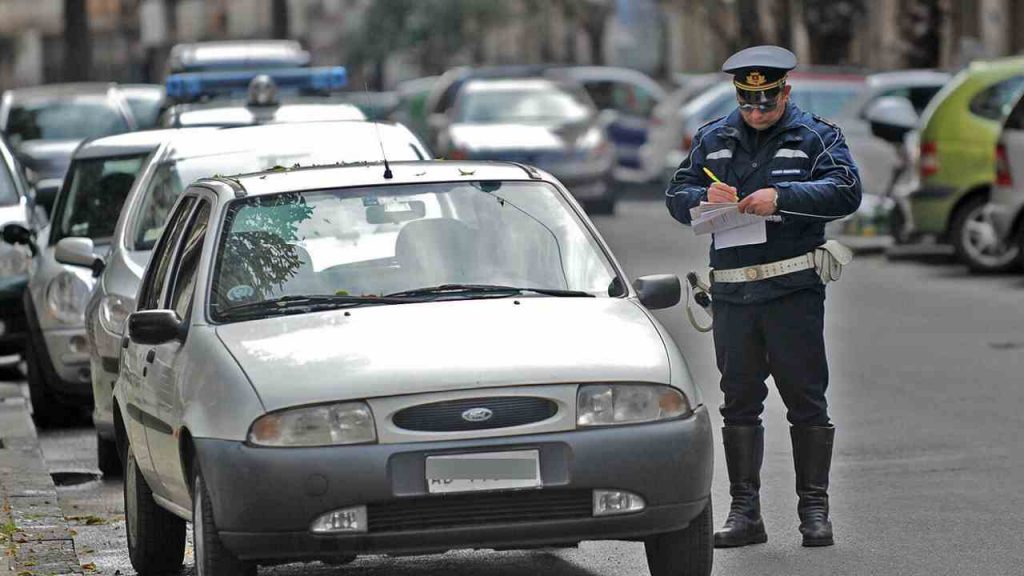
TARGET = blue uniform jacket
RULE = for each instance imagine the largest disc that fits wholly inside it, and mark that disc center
(805, 158)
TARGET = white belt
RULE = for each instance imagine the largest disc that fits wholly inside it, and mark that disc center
(762, 271)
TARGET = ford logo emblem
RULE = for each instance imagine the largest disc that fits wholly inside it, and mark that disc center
(477, 415)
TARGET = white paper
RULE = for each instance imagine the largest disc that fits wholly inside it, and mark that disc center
(755, 233)
(708, 218)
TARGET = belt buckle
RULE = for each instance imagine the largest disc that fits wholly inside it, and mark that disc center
(752, 273)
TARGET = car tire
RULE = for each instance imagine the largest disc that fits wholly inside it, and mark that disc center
(972, 243)
(107, 457)
(156, 538)
(686, 552)
(47, 410)
(212, 558)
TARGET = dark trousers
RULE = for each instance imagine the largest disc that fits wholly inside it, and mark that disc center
(783, 337)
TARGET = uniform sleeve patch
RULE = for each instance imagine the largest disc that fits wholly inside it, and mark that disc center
(723, 153)
(787, 172)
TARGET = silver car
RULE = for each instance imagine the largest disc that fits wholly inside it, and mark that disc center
(61, 273)
(1006, 207)
(437, 355)
(167, 172)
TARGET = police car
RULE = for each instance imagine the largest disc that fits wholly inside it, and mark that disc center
(402, 359)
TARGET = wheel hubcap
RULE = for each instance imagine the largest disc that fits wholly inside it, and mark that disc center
(982, 244)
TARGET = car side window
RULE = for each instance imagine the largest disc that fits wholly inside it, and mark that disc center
(995, 101)
(156, 273)
(188, 263)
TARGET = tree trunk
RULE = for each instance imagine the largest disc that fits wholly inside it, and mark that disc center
(750, 23)
(279, 18)
(77, 44)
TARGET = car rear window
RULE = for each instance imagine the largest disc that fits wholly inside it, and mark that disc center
(994, 102)
(73, 119)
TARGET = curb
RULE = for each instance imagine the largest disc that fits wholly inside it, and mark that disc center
(34, 534)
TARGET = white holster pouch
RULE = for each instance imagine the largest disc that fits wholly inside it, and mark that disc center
(829, 259)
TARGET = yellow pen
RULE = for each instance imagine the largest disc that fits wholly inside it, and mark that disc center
(711, 175)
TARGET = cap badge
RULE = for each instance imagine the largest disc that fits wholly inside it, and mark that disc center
(756, 78)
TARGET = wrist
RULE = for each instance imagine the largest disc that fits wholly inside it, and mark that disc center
(775, 200)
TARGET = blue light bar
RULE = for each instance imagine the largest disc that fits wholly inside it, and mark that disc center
(194, 86)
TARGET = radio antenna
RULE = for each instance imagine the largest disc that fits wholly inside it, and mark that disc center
(387, 168)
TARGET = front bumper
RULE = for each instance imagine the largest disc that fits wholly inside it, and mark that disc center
(68, 351)
(264, 500)
(12, 315)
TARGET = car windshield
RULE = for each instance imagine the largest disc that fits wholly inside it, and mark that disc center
(518, 106)
(171, 177)
(70, 119)
(473, 239)
(96, 190)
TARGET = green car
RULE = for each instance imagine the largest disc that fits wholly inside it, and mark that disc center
(957, 162)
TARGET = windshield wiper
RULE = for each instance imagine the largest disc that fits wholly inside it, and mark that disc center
(484, 289)
(301, 304)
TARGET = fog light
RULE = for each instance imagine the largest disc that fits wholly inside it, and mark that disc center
(78, 345)
(612, 502)
(344, 520)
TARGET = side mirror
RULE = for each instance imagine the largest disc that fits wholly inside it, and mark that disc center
(76, 252)
(14, 233)
(155, 327)
(891, 117)
(658, 290)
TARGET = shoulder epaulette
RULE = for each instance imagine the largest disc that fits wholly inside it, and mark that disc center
(826, 122)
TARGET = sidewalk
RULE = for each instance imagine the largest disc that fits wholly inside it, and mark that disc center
(34, 534)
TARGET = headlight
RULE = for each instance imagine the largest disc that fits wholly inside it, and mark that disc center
(66, 297)
(13, 261)
(610, 404)
(325, 425)
(114, 311)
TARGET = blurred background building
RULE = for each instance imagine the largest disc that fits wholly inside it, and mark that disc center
(385, 41)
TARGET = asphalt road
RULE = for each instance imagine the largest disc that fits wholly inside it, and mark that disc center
(927, 395)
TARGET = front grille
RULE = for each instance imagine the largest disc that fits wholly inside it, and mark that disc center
(461, 510)
(448, 416)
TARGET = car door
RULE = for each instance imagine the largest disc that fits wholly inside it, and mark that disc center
(170, 360)
(140, 404)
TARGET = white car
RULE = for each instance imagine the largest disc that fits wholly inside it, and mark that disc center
(178, 161)
(402, 359)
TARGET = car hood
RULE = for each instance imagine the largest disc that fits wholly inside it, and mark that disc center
(481, 137)
(442, 346)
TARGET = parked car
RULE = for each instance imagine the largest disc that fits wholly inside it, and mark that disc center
(16, 206)
(233, 55)
(168, 170)
(145, 101)
(630, 96)
(332, 362)
(1006, 206)
(664, 150)
(59, 281)
(956, 163)
(411, 109)
(46, 124)
(247, 114)
(537, 122)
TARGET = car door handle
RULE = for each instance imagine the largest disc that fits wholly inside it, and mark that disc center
(150, 356)
(124, 342)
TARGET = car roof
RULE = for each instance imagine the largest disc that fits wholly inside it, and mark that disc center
(610, 74)
(505, 84)
(68, 90)
(237, 51)
(245, 138)
(129, 143)
(242, 115)
(372, 174)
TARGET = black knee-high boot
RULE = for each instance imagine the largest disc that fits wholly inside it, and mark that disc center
(812, 458)
(744, 451)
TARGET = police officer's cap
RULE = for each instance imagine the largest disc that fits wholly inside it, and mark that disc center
(759, 68)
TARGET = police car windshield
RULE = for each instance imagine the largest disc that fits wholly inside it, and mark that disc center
(375, 241)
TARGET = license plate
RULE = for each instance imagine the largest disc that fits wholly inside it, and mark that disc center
(483, 471)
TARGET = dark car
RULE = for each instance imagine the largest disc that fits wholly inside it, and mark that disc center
(46, 124)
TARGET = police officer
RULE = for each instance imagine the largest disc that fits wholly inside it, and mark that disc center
(777, 161)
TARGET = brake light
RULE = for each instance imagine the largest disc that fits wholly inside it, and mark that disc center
(458, 154)
(1003, 177)
(928, 163)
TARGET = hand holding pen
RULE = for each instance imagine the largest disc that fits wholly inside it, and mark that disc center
(720, 191)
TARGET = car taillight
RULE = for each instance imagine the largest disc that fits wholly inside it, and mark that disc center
(686, 143)
(928, 162)
(1003, 177)
(458, 154)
